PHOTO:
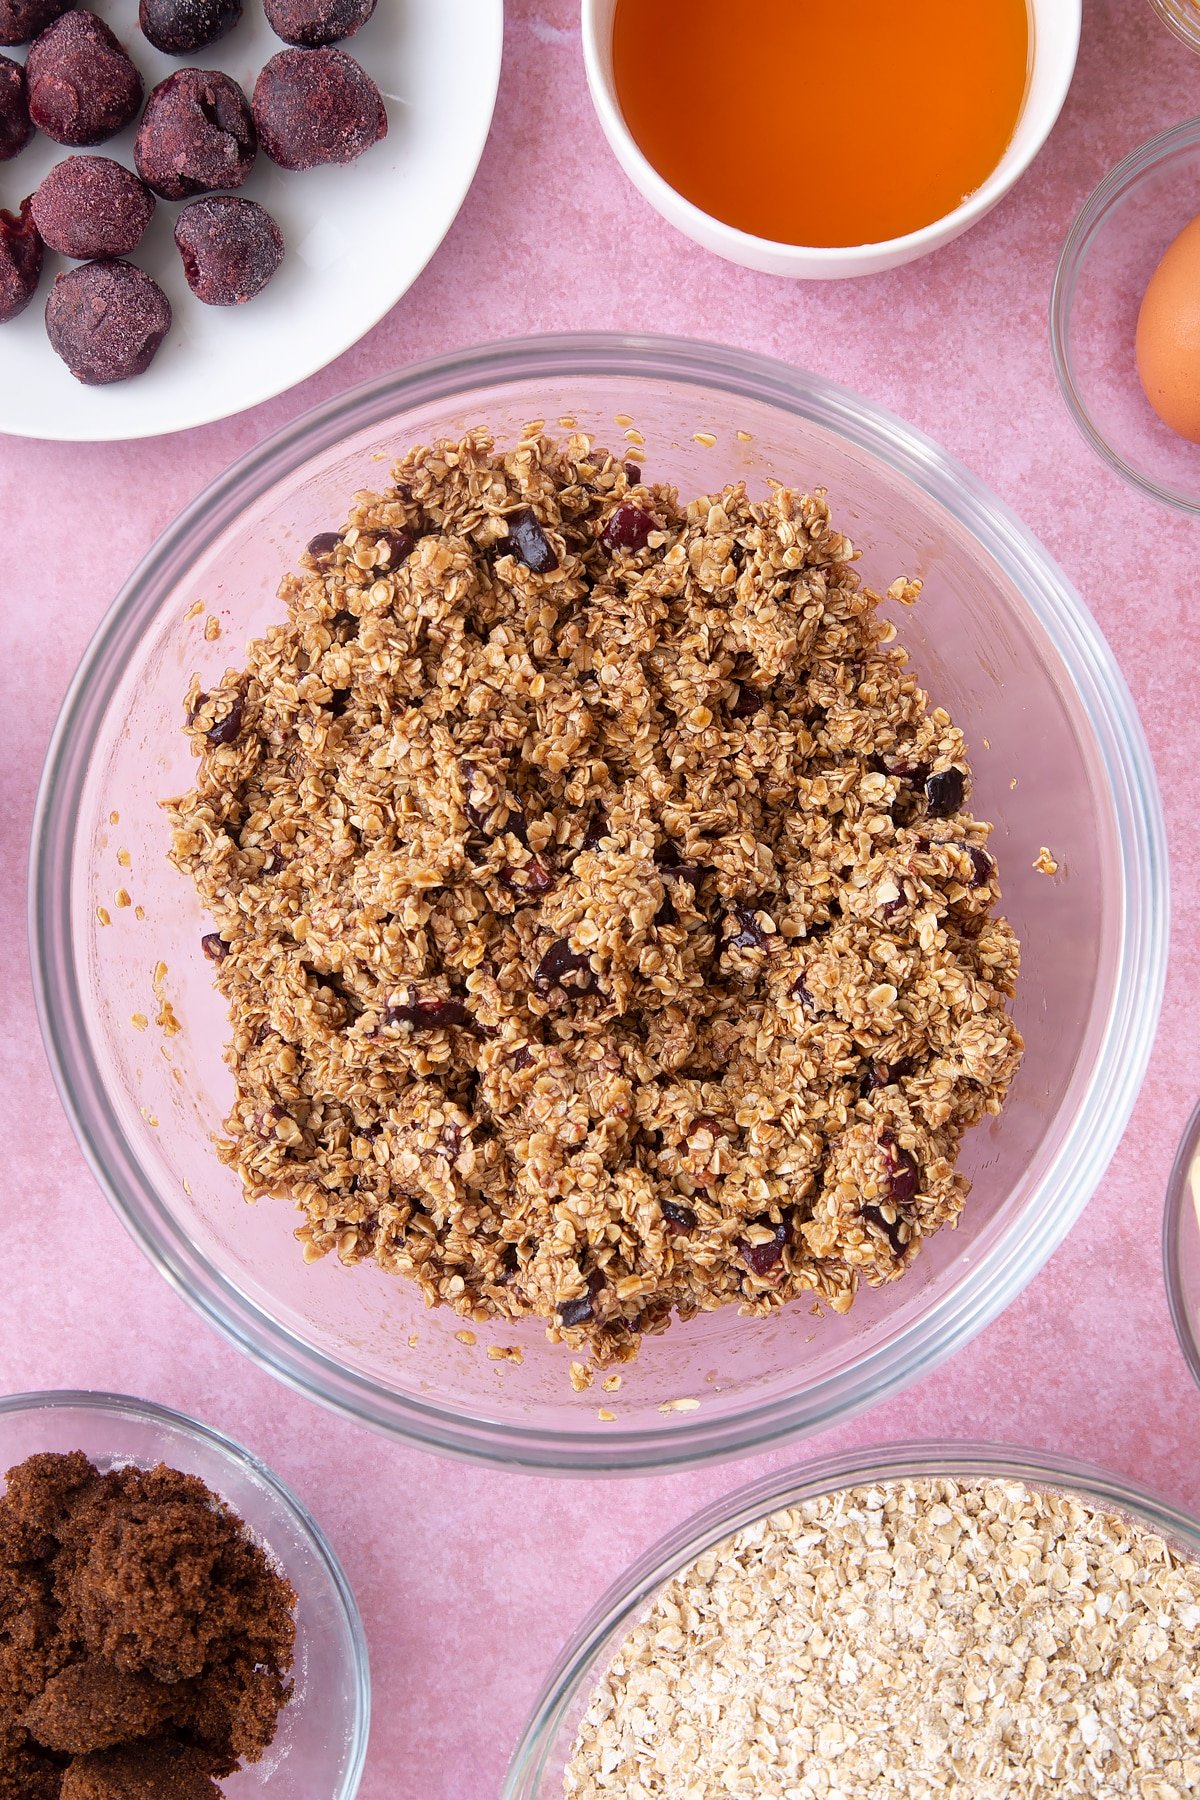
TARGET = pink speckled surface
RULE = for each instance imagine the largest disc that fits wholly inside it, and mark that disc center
(470, 1580)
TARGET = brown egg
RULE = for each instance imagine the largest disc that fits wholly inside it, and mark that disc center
(1168, 335)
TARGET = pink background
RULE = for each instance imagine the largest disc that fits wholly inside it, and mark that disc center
(470, 1580)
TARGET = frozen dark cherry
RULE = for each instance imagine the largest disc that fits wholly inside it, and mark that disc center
(627, 528)
(196, 135)
(82, 86)
(22, 20)
(181, 27)
(316, 106)
(230, 249)
(313, 23)
(944, 792)
(214, 946)
(20, 261)
(106, 320)
(92, 206)
(16, 126)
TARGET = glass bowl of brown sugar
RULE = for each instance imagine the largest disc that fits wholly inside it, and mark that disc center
(152, 1677)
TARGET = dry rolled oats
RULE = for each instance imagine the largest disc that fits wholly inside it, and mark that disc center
(913, 1640)
(603, 927)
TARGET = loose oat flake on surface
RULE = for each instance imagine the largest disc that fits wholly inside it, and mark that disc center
(912, 1640)
(604, 929)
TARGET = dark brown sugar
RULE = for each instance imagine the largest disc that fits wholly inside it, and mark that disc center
(145, 1638)
(143, 1772)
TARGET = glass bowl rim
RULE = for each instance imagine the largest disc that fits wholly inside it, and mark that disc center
(1179, 1200)
(631, 1593)
(1187, 34)
(1088, 221)
(117, 1406)
(1141, 900)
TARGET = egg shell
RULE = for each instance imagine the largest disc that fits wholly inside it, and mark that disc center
(1168, 335)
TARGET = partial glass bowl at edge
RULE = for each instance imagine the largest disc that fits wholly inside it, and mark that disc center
(320, 1744)
(998, 637)
(1111, 251)
(1181, 1244)
(536, 1770)
(1182, 17)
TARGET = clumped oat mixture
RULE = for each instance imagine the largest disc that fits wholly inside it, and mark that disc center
(918, 1640)
(604, 930)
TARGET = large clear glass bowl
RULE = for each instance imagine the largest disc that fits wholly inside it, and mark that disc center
(999, 638)
(320, 1744)
(536, 1770)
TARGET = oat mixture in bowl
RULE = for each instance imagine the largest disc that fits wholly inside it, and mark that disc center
(137, 1033)
(949, 1621)
(603, 924)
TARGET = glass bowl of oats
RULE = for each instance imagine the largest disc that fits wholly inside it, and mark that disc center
(979, 1616)
(576, 914)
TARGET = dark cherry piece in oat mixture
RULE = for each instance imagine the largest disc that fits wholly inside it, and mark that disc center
(196, 135)
(20, 261)
(317, 106)
(314, 23)
(106, 320)
(16, 126)
(181, 27)
(83, 88)
(21, 20)
(92, 206)
(230, 249)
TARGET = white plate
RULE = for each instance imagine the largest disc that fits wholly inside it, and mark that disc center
(357, 236)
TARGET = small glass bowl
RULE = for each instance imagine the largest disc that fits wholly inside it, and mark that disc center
(1182, 17)
(321, 1742)
(1112, 250)
(536, 1770)
(1181, 1244)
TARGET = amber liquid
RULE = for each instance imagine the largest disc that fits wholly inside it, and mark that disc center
(823, 122)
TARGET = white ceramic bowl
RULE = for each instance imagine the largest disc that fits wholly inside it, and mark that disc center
(1055, 26)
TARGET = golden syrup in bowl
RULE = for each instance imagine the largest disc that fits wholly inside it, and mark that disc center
(823, 122)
